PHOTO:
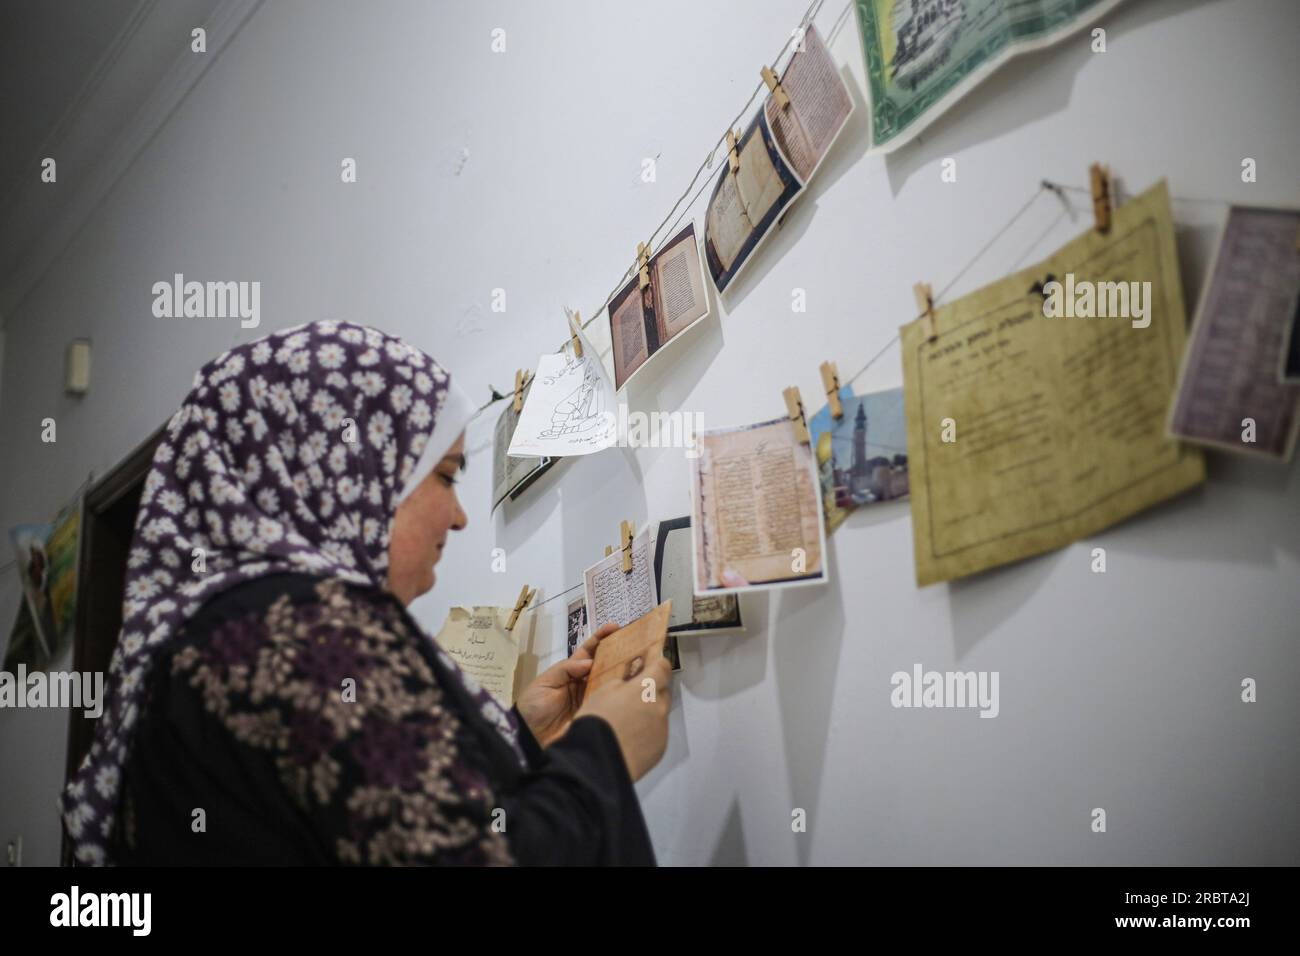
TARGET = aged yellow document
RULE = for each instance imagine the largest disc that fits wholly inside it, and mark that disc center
(488, 653)
(1036, 415)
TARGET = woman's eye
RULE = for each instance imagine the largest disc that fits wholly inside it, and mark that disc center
(447, 478)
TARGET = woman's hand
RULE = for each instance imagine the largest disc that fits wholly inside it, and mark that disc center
(638, 716)
(549, 704)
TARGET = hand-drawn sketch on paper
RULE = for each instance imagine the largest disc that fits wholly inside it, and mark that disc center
(570, 407)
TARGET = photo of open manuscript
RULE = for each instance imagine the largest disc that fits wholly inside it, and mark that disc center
(658, 304)
(757, 510)
(775, 158)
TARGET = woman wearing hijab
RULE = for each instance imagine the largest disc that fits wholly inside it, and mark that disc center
(271, 700)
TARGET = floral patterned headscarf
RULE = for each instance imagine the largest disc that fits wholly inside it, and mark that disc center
(290, 453)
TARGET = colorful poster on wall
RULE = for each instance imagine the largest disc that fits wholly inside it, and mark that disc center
(63, 550)
(35, 577)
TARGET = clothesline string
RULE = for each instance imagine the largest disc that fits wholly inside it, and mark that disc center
(1044, 186)
(809, 15)
(979, 253)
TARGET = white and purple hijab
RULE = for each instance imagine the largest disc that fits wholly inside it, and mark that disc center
(290, 453)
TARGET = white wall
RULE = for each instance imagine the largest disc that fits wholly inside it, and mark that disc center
(522, 171)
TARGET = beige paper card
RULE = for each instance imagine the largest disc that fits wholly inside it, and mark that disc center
(478, 641)
(625, 654)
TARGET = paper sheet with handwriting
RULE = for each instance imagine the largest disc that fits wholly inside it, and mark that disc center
(756, 510)
(478, 641)
(1027, 432)
(1230, 392)
(617, 595)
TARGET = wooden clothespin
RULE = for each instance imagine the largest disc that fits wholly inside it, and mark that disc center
(831, 382)
(521, 379)
(1099, 175)
(609, 549)
(925, 303)
(1040, 288)
(794, 408)
(575, 323)
(525, 596)
(625, 543)
(643, 263)
(774, 85)
(733, 157)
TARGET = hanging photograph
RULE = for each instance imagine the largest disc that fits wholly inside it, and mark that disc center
(776, 157)
(510, 474)
(1229, 395)
(643, 319)
(691, 615)
(757, 510)
(862, 455)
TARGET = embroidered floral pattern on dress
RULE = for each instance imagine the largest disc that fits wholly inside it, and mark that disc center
(380, 765)
(288, 454)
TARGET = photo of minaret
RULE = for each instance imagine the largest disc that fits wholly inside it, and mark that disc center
(862, 455)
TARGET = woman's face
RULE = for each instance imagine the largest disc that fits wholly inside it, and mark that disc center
(421, 525)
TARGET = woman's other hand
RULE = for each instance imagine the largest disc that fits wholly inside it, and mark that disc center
(549, 704)
(638, 715)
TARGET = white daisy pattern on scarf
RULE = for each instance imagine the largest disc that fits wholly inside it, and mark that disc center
(225, 479)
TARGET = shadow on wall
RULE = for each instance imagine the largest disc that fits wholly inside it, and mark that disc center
(1024, 89)
(808, 638)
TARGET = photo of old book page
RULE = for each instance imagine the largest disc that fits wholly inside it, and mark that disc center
(624, 655)
(745, 204)
(510, 475)
(477, 639)
(643, 321)
(757, 520)
(570, 407)
(1026, 432)
(818, 109)
(1229, 392)
(616, 595)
